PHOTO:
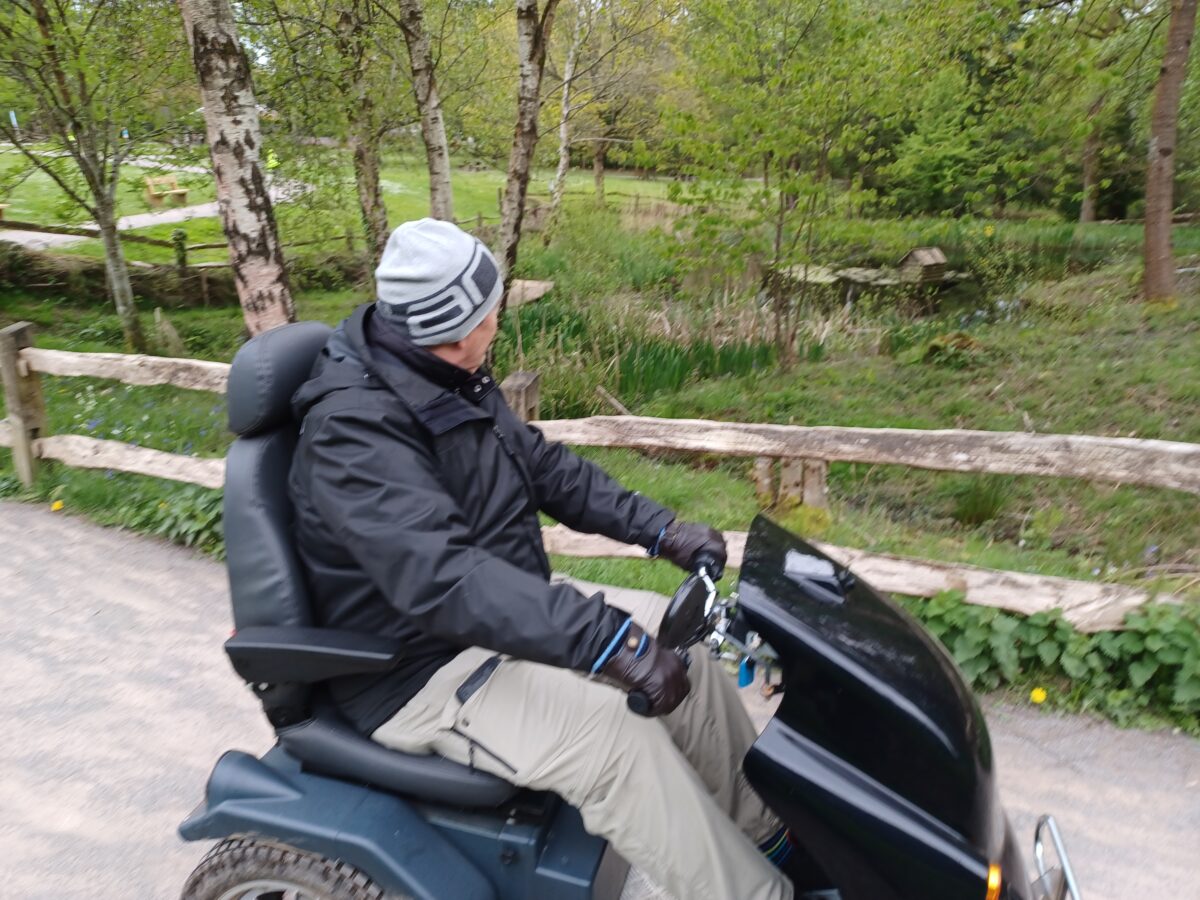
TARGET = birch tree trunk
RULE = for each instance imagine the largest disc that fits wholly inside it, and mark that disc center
(1091, 179)
(1159, 277)
(533, 34)
(55, 71)
(118, 277)
(564, 118)
(433, 126)
(598, 150)
(354, 27)
(234, 142)
(364, 143)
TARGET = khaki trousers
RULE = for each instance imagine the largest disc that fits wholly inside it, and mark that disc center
(667, 793)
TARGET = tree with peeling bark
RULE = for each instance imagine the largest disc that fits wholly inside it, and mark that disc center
(320, 50)
(617, 56)
(1159, 276)
(235, 142)
(411, 19)
(785, 102)
(96, 79)
(534, 23)
(582, 13)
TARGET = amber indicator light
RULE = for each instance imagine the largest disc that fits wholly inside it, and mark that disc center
(993, 892)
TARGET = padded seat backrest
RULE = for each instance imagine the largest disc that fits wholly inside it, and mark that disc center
(265, 579)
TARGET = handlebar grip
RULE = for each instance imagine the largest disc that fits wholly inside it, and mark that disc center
(639, 703)
(706, 561)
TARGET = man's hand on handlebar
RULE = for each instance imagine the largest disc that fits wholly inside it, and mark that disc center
(656, 678)
(692, 544)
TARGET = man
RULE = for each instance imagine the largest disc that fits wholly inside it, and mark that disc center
(417, 494)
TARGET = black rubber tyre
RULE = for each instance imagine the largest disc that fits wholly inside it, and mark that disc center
(244, 868)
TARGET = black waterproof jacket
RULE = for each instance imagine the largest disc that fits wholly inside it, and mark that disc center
(416, 518)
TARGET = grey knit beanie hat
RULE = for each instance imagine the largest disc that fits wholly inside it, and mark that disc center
(436, 281)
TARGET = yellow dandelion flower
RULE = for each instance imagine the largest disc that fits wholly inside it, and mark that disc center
(989, 230)
(56, 506)
(1038, 695)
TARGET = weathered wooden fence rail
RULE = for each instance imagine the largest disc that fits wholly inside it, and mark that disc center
(804, 451)
(1117, 460)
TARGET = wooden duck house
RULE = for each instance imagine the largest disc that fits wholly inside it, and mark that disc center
(923, 265)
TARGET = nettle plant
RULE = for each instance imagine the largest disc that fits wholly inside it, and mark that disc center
(1148, 670)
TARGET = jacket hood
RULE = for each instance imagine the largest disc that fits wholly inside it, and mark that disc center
(346, 363)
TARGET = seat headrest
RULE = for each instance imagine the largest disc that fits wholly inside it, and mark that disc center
(267, 371)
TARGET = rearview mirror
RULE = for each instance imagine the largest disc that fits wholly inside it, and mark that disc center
(686, 620)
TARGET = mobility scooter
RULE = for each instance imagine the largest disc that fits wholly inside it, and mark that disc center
(877, 758)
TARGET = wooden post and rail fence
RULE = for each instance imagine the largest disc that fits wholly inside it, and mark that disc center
(803, 453)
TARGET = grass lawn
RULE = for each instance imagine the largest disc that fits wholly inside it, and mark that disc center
(38, 199)
(405, 184)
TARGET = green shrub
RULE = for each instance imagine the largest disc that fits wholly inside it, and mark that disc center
(980, 498)
(187, 515)
(1148, 672)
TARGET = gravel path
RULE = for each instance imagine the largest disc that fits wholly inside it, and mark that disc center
(117, 701)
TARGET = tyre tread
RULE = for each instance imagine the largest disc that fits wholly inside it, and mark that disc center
(246, 858)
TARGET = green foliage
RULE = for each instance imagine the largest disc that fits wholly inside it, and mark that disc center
(592, 256)
(955, 350)
(575, 352)
(186, 515)
(980, 498)
(650, 367)
(938, 167)
(1148, 671)
(10, 486)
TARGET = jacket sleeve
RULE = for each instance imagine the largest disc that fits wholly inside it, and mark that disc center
(584, 497)
(379, 492)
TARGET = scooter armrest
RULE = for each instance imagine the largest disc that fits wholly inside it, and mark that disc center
(296, 654)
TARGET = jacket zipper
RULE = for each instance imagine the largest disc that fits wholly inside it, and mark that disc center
(528, 482)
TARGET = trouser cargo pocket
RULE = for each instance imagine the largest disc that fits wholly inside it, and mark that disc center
(476, 679)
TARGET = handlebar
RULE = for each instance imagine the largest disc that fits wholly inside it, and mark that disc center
(639, 703)
(706, 563)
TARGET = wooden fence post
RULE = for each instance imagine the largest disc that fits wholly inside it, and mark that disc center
(179, 240)
(804, 480)
(522, 392)
(816, 477)
(26, 410)
(764, 481)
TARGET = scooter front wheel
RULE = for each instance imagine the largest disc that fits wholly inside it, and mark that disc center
(244, 868)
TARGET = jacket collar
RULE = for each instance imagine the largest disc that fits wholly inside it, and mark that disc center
(437, 407)
(391, 344)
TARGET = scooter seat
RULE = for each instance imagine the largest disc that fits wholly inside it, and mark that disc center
(327, 745)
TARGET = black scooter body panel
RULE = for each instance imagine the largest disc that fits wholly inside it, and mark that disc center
(874, 705)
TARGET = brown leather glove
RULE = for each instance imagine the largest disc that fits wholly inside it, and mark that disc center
(642, 667)
(685, 543)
